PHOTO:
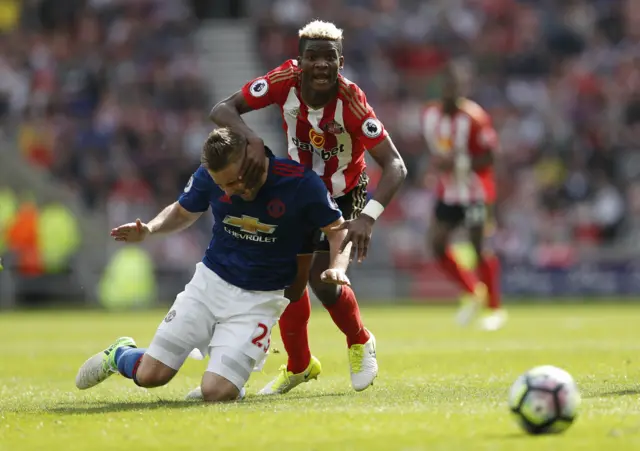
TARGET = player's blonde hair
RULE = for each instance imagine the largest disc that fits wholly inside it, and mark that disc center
(319, 29)
(222, 147)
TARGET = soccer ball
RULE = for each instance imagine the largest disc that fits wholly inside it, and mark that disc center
(544, 400)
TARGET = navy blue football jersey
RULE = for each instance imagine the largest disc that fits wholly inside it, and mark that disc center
(255, 243)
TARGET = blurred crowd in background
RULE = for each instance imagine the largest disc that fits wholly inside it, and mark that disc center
(108, 96)
(110, 99)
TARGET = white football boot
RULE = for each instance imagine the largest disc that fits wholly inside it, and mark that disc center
(494, 320)
(102, 365)
(363, 364)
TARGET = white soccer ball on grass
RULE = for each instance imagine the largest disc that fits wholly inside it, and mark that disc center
(544, 400)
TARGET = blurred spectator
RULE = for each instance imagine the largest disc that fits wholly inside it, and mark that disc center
(22, 239)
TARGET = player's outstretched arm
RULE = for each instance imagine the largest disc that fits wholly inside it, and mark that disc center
(338, 259)
(228, 113)
(172, 219)
(394, 172)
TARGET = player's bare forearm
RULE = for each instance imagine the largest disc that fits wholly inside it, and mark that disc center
(482, 161)
(337, 260)
(228, 113)
(394, 170)
(172, 219)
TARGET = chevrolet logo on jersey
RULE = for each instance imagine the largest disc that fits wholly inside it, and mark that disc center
(250, 226)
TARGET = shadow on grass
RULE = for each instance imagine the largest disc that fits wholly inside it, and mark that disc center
(106, 407)
(615, 393)
(72, 409)
(511, 436)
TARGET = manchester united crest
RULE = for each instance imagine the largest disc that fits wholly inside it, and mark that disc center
(276, 208)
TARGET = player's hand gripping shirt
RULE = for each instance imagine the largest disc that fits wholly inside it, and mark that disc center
(467, 133)
(255, 243)
(331, 140)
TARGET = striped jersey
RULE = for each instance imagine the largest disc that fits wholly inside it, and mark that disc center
(467, 133)
(330, 140)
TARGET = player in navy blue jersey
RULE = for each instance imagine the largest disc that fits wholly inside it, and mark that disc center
(237, 292)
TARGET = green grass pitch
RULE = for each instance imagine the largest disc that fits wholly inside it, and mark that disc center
(439, 388)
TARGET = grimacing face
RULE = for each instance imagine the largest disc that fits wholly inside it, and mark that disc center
(320, 62)
(228, 179)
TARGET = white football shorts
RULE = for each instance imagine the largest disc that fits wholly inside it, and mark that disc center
(230, 324)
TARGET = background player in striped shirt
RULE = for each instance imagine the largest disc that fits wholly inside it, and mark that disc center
(328, 125)
(463, 144)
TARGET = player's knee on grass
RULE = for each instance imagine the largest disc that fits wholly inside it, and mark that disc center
(227, 372)
(153, 373)
(216, 388)
(327, 293)
(296, 289)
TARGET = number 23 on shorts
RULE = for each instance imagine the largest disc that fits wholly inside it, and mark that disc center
(262, 337)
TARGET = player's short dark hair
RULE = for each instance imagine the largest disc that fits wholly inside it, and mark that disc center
(222, 147)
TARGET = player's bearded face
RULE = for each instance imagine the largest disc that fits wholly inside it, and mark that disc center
(320, 62)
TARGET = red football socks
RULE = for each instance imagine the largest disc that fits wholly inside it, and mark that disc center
(293, 327)
(489, 272)
(295, 337)
(346, 315)
(466, 279)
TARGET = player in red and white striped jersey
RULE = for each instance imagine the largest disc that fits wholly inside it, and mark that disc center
(463, 143)
(329, 125)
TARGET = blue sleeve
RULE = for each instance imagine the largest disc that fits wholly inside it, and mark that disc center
(196, 195)
(320, 210)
